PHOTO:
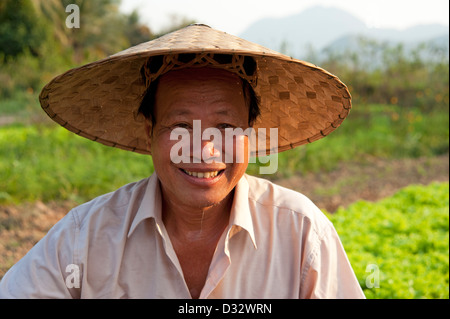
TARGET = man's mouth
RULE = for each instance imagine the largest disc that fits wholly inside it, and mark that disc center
(210, 174)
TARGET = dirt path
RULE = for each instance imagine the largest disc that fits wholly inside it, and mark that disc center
(372, 181)
(23, 225)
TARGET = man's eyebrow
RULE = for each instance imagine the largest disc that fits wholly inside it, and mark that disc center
(180, 112)
(223, 112)
(187, 111)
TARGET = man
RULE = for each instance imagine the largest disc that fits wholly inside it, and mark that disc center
(199, 227)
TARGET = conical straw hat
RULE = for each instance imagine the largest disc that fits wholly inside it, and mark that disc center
(100, 100)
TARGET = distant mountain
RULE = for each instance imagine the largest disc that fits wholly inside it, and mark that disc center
(350, 42)
(320, 27)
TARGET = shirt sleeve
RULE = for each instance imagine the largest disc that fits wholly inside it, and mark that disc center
(328, 273)
(49, 269)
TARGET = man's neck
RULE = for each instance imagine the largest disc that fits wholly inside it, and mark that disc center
(192, 224)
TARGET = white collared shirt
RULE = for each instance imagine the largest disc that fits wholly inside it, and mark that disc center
(278, 244)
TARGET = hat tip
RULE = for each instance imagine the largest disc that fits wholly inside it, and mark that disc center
(199, 25)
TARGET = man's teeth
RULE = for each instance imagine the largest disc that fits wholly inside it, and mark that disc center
(202, 174)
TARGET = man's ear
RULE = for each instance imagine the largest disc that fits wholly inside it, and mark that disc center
(148, 135)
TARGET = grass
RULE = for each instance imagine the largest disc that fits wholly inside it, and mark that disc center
(50, 163)
(20, 104)
(400, 244)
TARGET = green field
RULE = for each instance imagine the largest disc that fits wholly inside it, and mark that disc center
(399, 246)
(50, 163)
(374, 130)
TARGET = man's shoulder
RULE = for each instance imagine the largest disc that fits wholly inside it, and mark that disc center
(113, 203)
(269, 193)
(281, 199)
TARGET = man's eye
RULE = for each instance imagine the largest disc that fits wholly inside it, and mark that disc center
(225, 125)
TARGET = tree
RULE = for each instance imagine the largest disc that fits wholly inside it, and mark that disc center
(20, 28)
(136, 32)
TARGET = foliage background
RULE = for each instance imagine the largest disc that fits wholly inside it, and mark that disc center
(400, 110)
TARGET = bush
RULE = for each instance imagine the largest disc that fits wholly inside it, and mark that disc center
(380, 72)
(404, 239)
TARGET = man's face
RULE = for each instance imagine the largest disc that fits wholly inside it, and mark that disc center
(215, 97)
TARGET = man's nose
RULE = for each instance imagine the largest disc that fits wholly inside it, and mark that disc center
(209, 151)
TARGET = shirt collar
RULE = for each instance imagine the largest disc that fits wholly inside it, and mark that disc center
(150, 206)
(240, 217)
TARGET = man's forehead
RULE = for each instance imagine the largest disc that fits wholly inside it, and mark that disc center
(187, 112)
(201, 74)
(190, 86)
(200, 92)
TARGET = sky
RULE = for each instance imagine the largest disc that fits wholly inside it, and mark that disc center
(234, 16)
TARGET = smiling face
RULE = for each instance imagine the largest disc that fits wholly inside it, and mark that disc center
(215, 97)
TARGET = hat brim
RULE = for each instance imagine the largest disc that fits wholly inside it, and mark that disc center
(100, 100)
